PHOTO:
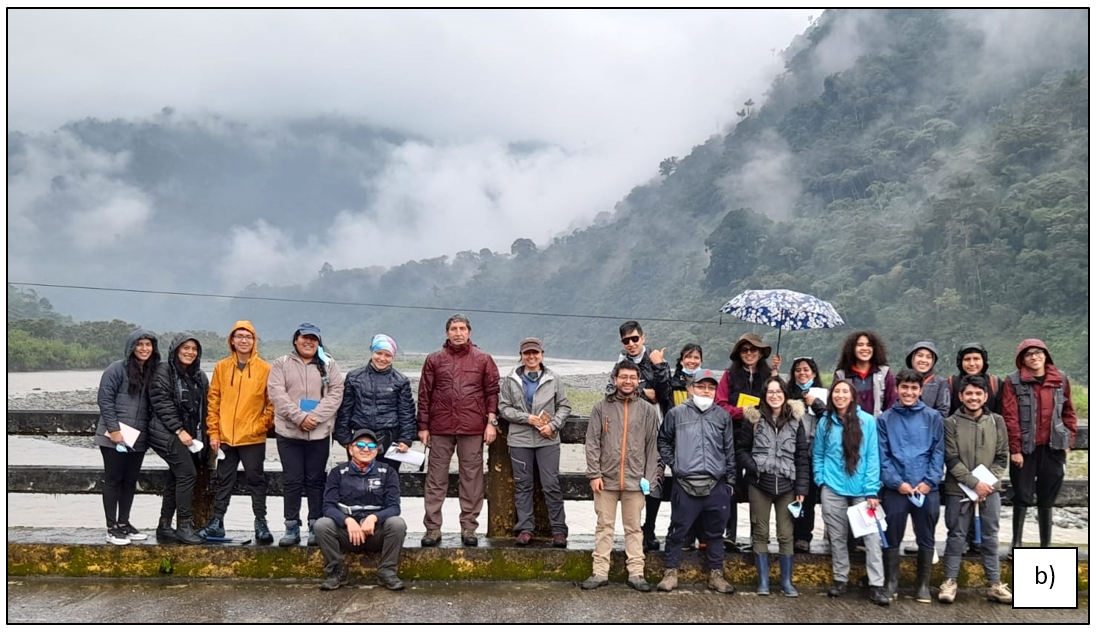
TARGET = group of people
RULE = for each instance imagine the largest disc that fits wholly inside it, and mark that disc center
(873, 438)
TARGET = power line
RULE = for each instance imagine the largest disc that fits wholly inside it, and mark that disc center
(355, 304)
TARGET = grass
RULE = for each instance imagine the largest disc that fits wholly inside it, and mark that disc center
(1080, 400)
(582, 402)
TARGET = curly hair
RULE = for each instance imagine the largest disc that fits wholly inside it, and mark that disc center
(847, 360)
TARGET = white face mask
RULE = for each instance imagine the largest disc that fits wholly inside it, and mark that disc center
(703, 403)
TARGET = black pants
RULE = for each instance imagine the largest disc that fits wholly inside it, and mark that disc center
(304, 468)
(182, 472)
(924, 518)
(120, 471)
(804, 524)
(686, 512)
(1041, 475)
(252, 456)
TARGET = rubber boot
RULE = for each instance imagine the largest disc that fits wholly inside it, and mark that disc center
(292, 535)
(185, 533)
(1019, 515)
(1046, 525)
(924, 576)
(761, 561)
(891, 563)
(786, 576)
(311, 533)
(164, 532)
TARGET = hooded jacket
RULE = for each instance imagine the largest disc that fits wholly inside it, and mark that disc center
(178, 397)
(459, 387)
(777, 461)
(911, 446)
(693, 442)
(622, 442)
(292, 380)
(970, 442)
(1039, 415)
(549, 397)
(934, 391)
(993, 399)
(380, 401)
(239, 410)
(829, 460)
(116, 405)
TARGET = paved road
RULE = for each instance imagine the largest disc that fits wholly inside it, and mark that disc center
(174, 601)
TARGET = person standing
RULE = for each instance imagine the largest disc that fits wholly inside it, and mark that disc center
(681, 382)
(534, 401)
(805, 376)
(863, 361)
(378, 397)
(973, 359)
(621, 460)
(306, 387)
(936, 393)
(458, 400)
(696, 441)
(974, 437)
(123, 399)
(911, 453)
(239, 416)
(178, 394)
(1042, 426)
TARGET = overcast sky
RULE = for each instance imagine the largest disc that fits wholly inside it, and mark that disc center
(613, 92)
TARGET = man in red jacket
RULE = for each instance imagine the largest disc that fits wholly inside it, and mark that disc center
(458, 400)
(1042, 425)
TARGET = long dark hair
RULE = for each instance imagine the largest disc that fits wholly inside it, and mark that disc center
(686, 350)
(766, 411)
(739, 378)
(816, 380)
(852, 434)
(847, 360)
(138, 375)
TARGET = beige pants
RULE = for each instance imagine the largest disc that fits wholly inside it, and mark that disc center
(469, 449)
(605, 506)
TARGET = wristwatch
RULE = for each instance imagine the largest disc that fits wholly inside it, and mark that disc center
(493, 422)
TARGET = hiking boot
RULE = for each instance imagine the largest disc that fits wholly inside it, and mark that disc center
(524, 538)
(878, 596)
(262, 532)
(132, 533)
(594, 581)
(215, 528)
(761, 561)
(669, 580)
(922, 594)
(390, 581)
(639, 583)
(334, 580)
(311, 533)
(432, 538)
(185, 533)
(559, 541)
(947, 591)
(468, 537)
(650, 543)
(838, 589)
(116, 535)
(717, 583)
(1000, 593)
(292, 535)
(164, 533)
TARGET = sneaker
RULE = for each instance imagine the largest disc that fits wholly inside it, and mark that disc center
(1000, 593)
(524, 538)
(594, 581)
(468, 537)
(132, 533)
(689, 546)
(432, 538)
(117, 535)
(947, 591)
(639, 583)
(559, 541)
(878, 596)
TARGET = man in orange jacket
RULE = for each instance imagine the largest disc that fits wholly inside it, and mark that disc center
(240, 414)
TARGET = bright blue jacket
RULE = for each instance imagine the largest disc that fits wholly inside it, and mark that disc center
(829, 460)
(911, 446)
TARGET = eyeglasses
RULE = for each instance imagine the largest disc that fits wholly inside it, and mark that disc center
(1034, 352)
(630, 340)
(243, 337)
(365, 446)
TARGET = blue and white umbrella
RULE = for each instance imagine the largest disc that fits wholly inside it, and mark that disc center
(783, 309)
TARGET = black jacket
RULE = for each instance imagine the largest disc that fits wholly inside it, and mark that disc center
(653, 376)
(375, 492)
(178, 398)
(380, 401)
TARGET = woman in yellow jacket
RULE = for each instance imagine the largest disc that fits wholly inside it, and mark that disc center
(239, 416)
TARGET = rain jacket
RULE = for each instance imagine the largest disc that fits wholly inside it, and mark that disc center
(380, 401)
(970, 442)
(829, 462)
(776, 461)
(292, 380)
(549, 397)
(240, 411)
(911, 446)
(698, 443)
(115, 403)
(1040, 414)
(178, 398)
(459, 387)
(935, 391)
(622, 442)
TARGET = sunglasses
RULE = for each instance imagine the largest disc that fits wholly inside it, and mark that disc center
(365, 446)
(750, 350)
(630, 340)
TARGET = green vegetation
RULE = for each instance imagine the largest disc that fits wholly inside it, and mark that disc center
(582, 402)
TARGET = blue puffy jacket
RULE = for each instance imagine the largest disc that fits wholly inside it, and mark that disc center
(829, 462)
(911, 446)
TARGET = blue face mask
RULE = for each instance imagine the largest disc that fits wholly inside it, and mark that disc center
(807, 385)
(686, 371)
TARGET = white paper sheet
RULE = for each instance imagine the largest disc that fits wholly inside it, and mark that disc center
(411, 456)
(861, 524)
(983, 474)
(129, 434)
(819, 393)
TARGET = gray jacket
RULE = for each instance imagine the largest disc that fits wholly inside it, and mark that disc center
(549, 397)
(698, 443)
(116, 405)
(936, 393)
